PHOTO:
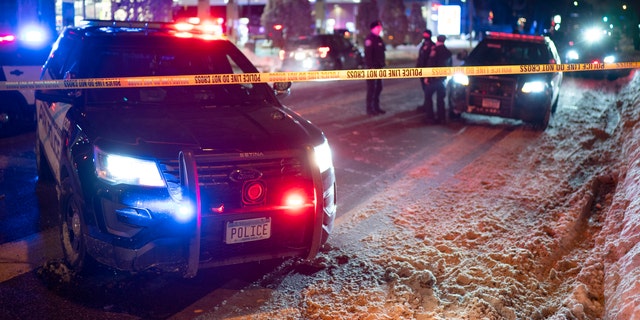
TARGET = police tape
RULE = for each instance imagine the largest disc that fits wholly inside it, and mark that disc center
(356, 74)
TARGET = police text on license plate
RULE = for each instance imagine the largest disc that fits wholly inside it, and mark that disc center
(248, 230)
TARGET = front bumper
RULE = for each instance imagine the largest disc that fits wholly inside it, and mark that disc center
(496, 96)
(140, 228)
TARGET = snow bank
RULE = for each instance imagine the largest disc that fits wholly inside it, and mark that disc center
(531, 226)
(622, 276)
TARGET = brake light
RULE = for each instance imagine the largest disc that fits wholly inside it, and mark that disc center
(324, 51)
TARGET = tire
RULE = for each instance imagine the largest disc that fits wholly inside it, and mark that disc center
(554, 107)
(453, 116)
(543, 123)
(72, 230)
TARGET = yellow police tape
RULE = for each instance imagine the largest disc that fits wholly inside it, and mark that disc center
(358, 74)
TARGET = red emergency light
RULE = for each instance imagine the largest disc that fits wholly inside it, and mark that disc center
(506, 35)
(8, 38)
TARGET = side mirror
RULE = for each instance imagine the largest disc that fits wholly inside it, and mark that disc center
(282, 89)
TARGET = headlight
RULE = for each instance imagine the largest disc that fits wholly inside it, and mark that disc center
(533, 87)
(323, 157)
(117, 169)
(573, 55)
(461, 79)
(593, 34)
(609, 59)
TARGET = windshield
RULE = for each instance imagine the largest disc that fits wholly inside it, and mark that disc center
(169, 58)
(495, 52)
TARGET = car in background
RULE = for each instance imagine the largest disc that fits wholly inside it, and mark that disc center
(176, 178)
(320, 52)
(530, 96)
(21, 59)
(592, 44)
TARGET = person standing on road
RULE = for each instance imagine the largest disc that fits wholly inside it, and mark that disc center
(440, 56)
(374, 58)
(423, 57)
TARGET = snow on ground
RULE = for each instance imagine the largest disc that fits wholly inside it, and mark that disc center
(546, 229)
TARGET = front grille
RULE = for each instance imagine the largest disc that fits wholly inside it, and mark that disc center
(221, 196)
(492, 95)
(218, 188)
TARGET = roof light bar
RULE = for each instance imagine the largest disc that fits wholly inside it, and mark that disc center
(505, 35)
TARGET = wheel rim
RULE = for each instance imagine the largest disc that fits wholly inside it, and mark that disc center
(72, 234)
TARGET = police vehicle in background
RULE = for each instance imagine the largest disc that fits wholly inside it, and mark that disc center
(531, 96)
(320, 52)
(22, 54)
(592, 43)
(177, 178)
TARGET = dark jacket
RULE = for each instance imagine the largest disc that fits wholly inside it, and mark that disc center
(423, 53)
(374, 52)
(440, 56)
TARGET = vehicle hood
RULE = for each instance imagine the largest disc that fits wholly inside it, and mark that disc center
(593, 50)
(223, 129)
(520, 77)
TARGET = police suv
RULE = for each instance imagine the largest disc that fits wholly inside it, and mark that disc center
(531, 95)
(177, 178)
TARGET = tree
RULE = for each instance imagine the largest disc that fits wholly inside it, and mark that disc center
(287, 19)
(395, 22)
(367, 13)
(417, 24)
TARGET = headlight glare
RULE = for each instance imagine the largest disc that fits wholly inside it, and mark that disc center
(593, 34)
(461, 79)
(573, 55)
(609, 59)
(33, 36)
(323, 157)
(186, 212)
(117, 169)
(533, 87)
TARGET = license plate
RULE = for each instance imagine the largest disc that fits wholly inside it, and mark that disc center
(248, 230)
(491, 103)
